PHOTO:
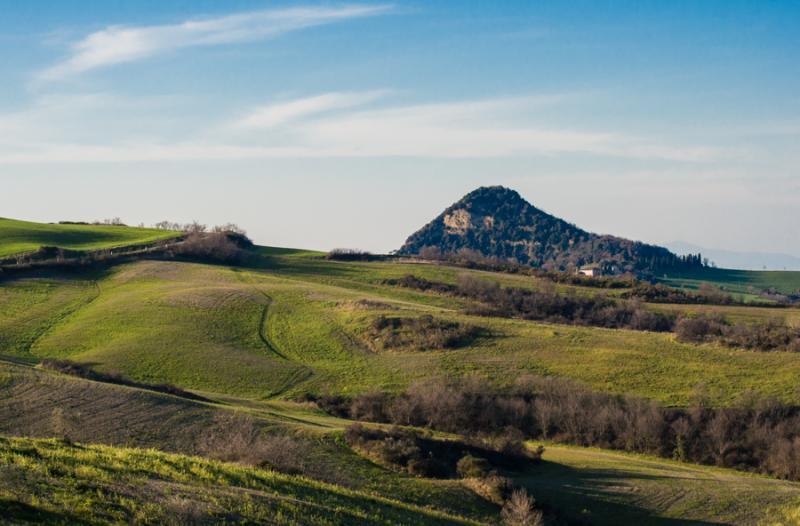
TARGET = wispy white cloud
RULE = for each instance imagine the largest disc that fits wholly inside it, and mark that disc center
(120, 44)
(334, 124)
(277, 114)
(470, 129)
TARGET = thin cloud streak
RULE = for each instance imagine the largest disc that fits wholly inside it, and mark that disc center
(274, 115)
(121, 44)
(332, 125)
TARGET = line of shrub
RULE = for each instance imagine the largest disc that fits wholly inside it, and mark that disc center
(769, 336)
(757, 434)
(546, 304)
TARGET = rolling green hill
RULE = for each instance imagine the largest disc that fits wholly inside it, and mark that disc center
(100, 484)
(297, 324)
(17, 237)
(285, 324)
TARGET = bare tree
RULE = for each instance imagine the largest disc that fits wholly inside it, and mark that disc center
(519, 510)
(195, 227)
(229, 227)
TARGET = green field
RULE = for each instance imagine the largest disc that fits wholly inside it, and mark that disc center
(744, 282)
(608, 488)
(296, 325)
(18, 237)
(94, 484)
(100, 484)
(287, 323)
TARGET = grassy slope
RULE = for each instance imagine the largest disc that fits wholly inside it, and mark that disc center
(738, 281)
(22, 236)
(100, 484)
(37, 403)
(616, 488)
(294, 326)
(91, 484)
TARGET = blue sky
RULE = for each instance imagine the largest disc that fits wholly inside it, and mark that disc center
(330, 124)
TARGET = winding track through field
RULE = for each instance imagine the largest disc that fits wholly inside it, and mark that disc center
(303, 373)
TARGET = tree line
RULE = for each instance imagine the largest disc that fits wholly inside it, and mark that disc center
(756, 434)
(547, 304)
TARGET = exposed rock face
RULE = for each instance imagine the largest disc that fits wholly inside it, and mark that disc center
(498, 222)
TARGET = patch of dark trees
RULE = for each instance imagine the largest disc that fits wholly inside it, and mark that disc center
(769, 336)
(353, 254)
(757, 434)
(551, 306)
(83, 371)
(472, 259)
(706, 295)
(213, 247)
(419, 333)
(545, 304)
(422, 455)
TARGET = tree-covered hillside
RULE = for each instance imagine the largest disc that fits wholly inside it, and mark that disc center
(498, 222)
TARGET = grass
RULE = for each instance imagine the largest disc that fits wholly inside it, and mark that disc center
(40, 403)
(93, 484)
(57, 483)
(605, 488)
(296, 325)
(17, 237)
(743, 282)
(290, 323)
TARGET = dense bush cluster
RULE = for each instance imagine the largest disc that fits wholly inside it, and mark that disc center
(351, 254)
(420, 333)
(546, 304)
(217, 247)
(83, 371)
(770, 336)
(760, 435)
(473, 259)
(423, 455)
(657, 293)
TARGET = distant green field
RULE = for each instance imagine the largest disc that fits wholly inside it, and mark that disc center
(18, 237)
(746, 282)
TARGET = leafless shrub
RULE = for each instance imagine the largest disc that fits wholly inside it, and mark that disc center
(756, 434)
(285, 454)
(180, 511)
(210, 247)
(519, 510)
(419, 333)
(231, 228)
(233, 437)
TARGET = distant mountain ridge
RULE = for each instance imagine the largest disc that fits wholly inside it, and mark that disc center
(497, 222)
(739, 260)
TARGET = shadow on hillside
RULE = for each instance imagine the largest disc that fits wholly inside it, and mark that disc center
(19, 512)
(63, 273)
(598, 496)
(302, 266)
